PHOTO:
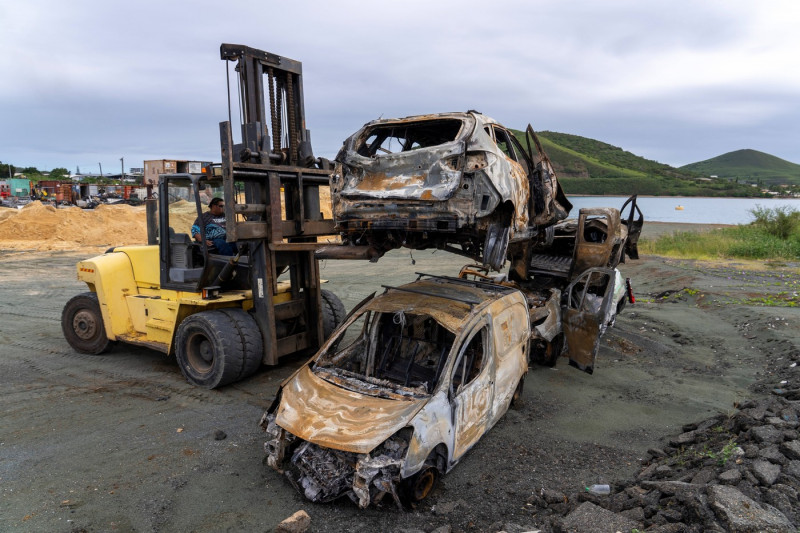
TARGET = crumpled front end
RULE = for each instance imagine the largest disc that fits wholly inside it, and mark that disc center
(325, 474)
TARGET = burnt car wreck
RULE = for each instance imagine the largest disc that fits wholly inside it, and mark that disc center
(415, 376)
(454, 181)
(401, 392)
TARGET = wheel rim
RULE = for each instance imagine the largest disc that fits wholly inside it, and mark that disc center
(84, 324)
(200, 353)
(423, 484)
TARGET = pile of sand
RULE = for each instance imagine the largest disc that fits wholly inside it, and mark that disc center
(44, 227)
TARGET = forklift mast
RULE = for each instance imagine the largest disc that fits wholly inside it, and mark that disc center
(271, 184)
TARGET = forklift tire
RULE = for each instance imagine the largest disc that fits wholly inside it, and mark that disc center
(250, 336)
(210, 349)
(333, 313)
(82, 324)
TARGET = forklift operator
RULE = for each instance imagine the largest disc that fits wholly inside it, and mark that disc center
(214, 222)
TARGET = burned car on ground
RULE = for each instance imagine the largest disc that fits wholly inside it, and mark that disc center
(455, 181)
(403, 389)
(417, 375)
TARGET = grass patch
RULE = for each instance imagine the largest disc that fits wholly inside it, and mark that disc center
(774, 234)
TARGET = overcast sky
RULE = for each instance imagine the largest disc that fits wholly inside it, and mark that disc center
(92, 81)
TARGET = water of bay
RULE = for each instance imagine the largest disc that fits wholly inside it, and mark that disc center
(695, 210)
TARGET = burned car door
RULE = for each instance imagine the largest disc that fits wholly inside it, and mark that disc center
(472, 391)
(548, 203)
(634, 221)
(586, 314)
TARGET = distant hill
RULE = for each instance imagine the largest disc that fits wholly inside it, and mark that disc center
(588, 166)
(749, 165)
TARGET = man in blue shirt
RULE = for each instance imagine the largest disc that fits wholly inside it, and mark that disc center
(214, 222)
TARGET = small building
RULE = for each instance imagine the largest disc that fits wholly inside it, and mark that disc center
(155, 167)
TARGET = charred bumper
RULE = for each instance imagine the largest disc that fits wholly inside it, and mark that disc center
(324, 474)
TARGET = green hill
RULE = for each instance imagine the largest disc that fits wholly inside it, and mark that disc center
(588, 166)
(749, 165)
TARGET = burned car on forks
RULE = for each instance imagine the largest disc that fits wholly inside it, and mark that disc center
(401, 391)
(455, 181)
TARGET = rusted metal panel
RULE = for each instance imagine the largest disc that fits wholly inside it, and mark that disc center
(331, 416)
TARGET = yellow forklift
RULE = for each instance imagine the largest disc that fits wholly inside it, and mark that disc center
(223, 316)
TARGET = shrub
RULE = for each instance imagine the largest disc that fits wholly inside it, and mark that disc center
(782, 221)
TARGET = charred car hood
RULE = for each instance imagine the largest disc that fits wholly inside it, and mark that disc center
(327, 415)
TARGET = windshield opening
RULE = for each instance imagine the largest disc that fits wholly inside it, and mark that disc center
(395, 348)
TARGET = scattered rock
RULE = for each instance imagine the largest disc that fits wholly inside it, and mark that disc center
(553, 496)
(765, 434)
(791, 449)
(740, 473)
(766, 472)
(590, 518)
(737, 512)
(730, 477)
(299, 522)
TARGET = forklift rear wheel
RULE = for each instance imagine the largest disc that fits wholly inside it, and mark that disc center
(333, 313)
(82, 324)
(210, 349)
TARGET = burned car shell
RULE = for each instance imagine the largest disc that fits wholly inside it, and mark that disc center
(434, 180)
(337, 428)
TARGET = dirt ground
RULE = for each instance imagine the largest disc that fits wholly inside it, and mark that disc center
(121, 442)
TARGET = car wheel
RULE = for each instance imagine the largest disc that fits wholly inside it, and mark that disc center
(209, 349)
(333, 313)
(419, 486)
(82, 324)
(250, 337)
(553, 350)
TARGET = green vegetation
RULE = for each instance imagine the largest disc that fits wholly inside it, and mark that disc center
(774, 234)
(724, 455)
(33, 173)
(749, 165)
(587, 166)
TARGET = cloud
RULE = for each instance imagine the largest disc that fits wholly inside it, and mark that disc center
(666, 80)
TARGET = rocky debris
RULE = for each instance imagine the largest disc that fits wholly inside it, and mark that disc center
(728, 473)
(591, 518)
(299, 522)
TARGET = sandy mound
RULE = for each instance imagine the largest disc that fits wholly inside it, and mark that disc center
(43, 227)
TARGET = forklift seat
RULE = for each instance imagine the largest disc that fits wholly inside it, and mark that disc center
(181, 261)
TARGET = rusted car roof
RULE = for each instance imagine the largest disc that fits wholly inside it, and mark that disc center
(450, 306)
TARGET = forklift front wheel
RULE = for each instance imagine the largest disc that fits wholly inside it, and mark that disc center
(82, 324)
(209, 350)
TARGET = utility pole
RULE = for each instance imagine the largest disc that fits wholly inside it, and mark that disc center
(122, 165)
(101, 170)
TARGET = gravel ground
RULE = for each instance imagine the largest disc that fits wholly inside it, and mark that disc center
(121, 442)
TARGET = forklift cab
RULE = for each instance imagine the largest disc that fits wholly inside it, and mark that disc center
(188, 264)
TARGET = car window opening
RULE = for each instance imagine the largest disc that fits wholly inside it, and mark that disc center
(394, 138)
(470, 363)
